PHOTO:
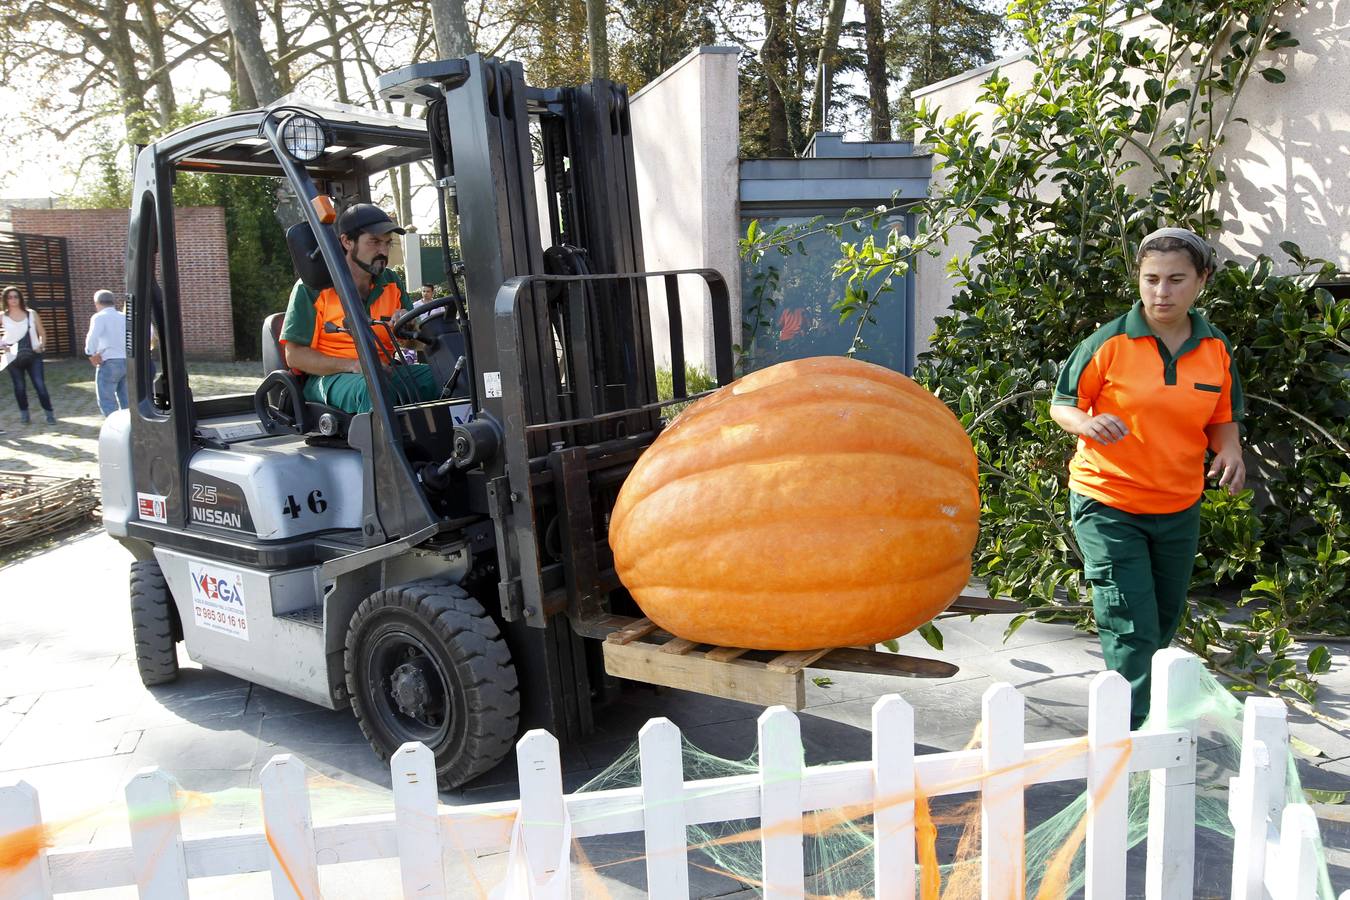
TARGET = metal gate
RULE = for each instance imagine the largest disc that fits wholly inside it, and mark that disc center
(39, 265)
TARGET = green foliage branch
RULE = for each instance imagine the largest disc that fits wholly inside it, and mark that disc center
(1117, 133)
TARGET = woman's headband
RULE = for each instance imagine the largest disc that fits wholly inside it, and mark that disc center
(1187, 236)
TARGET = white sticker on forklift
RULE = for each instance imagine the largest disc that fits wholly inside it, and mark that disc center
(492, 384)
(218, 600)
(152, 507)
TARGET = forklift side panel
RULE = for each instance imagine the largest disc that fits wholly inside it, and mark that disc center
(264, 627)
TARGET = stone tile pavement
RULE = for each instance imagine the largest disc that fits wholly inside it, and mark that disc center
(76, 723)
(70, 447)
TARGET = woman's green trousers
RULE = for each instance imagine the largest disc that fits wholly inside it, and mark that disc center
(1139, 566)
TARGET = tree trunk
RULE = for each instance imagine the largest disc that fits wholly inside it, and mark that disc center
(335, 47)
(243, 88)
(405, 212)
(599, 38)
(154, 42)
(243, 18)
(775, 74)
(453, 39)
(283, 43)
(130, 87)
(829, 54)
(878, 104)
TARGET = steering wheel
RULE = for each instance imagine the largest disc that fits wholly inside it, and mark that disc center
(402, 324)
(280, 403)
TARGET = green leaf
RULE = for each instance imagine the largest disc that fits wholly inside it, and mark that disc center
(1016, 623)
(1273, 75)
(931, 635)
(1329, 798)
(892, 645)
(1305, 748)
(823, 681)
(1319, 661)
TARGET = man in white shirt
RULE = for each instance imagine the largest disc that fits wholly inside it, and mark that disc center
(106, 347)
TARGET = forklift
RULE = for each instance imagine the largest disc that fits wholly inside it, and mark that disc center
(440, 566)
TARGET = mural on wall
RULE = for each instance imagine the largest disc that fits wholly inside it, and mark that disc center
(789, 300)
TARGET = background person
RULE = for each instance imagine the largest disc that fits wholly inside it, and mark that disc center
(1147, 394)
(21, 352)
(106, 347)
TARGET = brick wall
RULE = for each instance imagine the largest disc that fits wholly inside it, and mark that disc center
(96, 242)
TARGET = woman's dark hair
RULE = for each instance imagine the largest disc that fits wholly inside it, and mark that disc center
(1172, 245)
(4, 295)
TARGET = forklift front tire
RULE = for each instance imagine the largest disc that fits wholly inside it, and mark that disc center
(424, 662)
(152, 624)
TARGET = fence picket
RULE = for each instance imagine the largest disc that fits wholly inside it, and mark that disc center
(663, 822)
(1108, 784)
(1170, 873)
(1251, 824)
(417, 821)
(1264, 719)
(20, 811)
(893, 790)
(1298, 868)
(543, 815)
(1002, 814)
(290, 829)
(780, 803)
(156, 835)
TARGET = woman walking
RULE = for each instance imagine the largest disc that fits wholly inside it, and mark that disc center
(1147, 394)
(21, 352)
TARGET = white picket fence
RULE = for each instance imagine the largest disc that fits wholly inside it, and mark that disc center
(1276, 850)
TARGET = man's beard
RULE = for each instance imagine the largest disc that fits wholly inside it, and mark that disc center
(376, 264)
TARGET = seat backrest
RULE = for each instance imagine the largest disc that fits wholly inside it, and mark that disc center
(272, 356)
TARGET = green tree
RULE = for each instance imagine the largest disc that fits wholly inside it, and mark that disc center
(932, 40)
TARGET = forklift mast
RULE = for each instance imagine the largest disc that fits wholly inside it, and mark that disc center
(560, 348)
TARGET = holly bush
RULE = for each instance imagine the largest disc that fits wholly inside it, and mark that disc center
(1115, 135)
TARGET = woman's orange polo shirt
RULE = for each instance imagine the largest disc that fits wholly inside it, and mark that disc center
(1165, 401)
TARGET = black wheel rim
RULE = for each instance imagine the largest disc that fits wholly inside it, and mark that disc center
(408, 687)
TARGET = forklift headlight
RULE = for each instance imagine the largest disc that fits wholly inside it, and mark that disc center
(303, 137)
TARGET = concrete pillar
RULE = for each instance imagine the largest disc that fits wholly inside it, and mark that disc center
(686, 137)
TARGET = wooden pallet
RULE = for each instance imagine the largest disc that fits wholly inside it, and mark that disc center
(640, 651)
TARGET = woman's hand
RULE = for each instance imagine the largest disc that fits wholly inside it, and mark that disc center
(1228, 467)
(1104, 429)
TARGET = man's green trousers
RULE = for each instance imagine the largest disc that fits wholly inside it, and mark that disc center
(1139, 566)
(349, 392)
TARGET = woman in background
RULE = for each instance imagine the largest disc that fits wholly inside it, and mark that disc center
(21, 353)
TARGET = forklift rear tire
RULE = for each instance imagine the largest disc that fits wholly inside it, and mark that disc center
(152, 624)
(425, 663)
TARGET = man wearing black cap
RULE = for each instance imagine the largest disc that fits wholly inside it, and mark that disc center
(328, 355)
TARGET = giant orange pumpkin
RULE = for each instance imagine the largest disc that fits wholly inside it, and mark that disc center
(822, 502)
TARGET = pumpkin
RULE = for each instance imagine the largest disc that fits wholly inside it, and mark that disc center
(822, 502)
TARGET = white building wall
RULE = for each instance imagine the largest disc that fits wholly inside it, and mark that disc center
(686, 135)
(1286, 166)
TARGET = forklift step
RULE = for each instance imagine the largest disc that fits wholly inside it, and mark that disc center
(310, 615)
(637, 649)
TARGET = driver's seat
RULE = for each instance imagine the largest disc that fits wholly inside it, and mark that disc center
(280, 399)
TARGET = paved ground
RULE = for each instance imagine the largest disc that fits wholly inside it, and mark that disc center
(70, 447)
(76, 723)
